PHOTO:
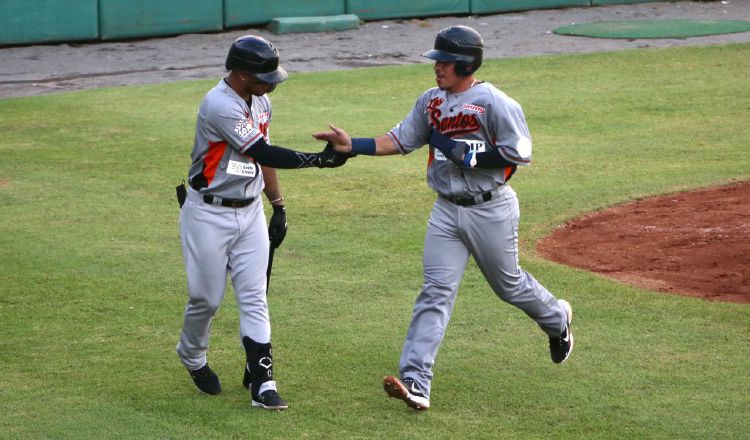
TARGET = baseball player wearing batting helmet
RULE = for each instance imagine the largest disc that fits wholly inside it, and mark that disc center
(222, 223)
(478, 136)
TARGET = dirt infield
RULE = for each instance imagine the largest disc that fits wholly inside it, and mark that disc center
(695, 243)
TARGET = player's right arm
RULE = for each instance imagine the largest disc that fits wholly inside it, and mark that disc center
(343, 143)
(410, 134)
(243, 136)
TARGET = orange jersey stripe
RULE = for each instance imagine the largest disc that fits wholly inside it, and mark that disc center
(212, 158)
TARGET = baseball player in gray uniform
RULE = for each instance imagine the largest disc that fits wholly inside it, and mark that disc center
(222, 223)
(478, 136)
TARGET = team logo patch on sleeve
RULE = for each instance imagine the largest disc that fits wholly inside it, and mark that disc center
(243, 128)
(524, 147)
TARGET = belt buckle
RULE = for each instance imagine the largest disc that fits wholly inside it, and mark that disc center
(464, 201)
(473, 200)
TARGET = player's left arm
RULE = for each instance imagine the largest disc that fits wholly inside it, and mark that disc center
(513, 146)
(277, 227)
(460, 153)
(510, 131)
(272, 188)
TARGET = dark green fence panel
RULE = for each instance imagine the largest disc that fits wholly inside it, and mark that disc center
(244, 12)
(382, 9)
(620, 2)
(144, 18)
(43, 21)
(490, 6)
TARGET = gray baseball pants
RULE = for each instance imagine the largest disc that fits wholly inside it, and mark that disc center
(489, 233)
(215, 241)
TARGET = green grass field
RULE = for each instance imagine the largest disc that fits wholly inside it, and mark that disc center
(92, 286)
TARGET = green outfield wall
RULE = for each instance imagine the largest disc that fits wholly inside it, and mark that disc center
(42, 21)
(383, 9)
(146, 18)
(494, 6)
(248, 12)
(49, 21)
(623, 2)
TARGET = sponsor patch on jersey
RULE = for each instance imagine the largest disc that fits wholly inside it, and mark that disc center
(473, 108)
(241, 169)
(243, 128)
(475, 145)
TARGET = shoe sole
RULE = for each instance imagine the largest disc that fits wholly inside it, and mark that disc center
(396, 390)
(206, 392)
(260, 405)
(569, 312)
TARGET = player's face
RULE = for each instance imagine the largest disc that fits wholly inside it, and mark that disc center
(445, 75)
(256, 87)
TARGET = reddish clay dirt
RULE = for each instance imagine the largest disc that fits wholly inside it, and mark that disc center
(695, 243)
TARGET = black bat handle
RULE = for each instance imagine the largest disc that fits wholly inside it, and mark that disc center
(270, 266)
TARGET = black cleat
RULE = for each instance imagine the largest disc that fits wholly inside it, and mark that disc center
(206, 380)
(406, 391)
(246, 378)
(561, 346)
(269, 399)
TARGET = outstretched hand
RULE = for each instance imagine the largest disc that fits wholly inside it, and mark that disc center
(339, 139)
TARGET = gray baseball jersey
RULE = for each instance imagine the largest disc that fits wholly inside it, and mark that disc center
(485, 118)
(225, 129)
(484, 227)
(217, 239)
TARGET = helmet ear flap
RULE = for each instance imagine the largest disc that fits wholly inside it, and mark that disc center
(464, 69)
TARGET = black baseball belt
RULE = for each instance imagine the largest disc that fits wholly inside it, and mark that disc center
(474, 200)
(221, 201)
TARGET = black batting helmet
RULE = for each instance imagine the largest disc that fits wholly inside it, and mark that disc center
(460, 44)
(258, 57)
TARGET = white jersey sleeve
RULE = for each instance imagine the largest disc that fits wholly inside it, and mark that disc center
(414, 131)
(509, 128)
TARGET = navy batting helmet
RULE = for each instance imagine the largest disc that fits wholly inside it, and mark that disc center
(258, 57)
(460, 44)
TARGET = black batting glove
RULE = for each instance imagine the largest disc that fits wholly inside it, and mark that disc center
(277, 226)
(330, 158)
